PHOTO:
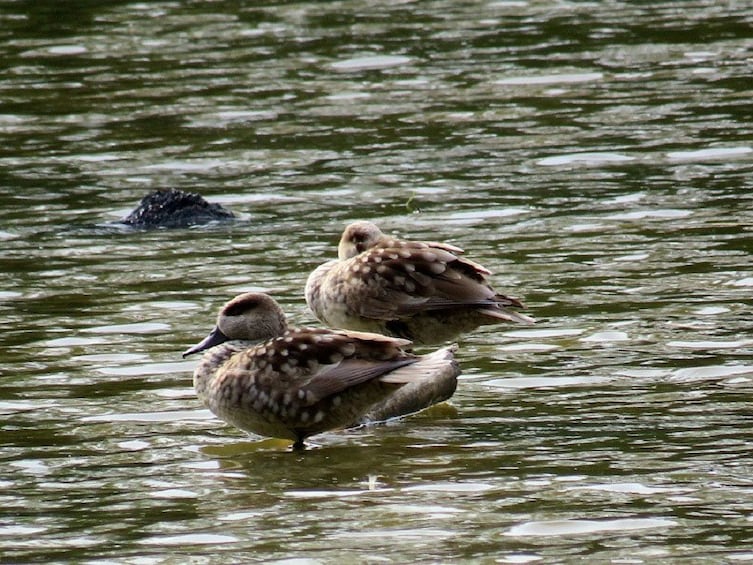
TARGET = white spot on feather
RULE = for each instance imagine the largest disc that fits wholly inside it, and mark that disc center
(437, 268)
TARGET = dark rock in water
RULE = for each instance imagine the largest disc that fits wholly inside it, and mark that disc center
(175, 209)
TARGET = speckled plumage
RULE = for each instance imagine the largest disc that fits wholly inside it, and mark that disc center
(264, 377)
(423, 291)
(175, 209)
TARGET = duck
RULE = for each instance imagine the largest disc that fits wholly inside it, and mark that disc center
(423, 291)
(263, 376)
(175, 208)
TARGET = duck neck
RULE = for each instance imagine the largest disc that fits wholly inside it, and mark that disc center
(212, 360)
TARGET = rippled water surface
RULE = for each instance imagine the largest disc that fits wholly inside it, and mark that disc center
(597, 156)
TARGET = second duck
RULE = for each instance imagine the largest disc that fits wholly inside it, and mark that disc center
(422, 291)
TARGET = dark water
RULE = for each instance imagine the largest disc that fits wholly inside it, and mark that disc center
(597, 156)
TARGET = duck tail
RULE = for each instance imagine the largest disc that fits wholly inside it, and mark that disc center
(432, 379)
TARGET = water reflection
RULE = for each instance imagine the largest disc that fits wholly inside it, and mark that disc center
(597, 157)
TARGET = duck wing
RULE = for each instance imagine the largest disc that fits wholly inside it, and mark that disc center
(405, 278)
(314, 363)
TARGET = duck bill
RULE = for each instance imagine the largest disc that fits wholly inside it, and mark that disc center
(215, 337)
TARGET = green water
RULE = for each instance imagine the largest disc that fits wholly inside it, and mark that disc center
(596, 156)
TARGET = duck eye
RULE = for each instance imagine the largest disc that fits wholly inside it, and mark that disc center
(240, 308)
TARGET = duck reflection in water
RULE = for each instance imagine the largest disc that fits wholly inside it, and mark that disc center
(265, 377)
(422, 291)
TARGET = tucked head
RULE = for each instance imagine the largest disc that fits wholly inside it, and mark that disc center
(252, 316)
(357, 238)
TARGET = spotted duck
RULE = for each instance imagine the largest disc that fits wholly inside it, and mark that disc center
(265, 377)
(422, 291)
